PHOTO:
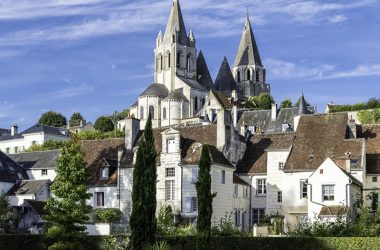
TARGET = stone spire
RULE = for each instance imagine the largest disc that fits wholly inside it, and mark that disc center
(225, 82)
(176, 23)
(203, 74)
(302, 108)
(248, 54)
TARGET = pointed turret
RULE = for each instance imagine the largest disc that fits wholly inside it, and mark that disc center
(225, 82)
(177, 24)
(248, 53)
(302, 108)
(203, 74)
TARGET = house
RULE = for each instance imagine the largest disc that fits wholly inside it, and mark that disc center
(241, 203)
(36, 135)
(82, 126)
(10, 173)
(29, 190)
(31, 212)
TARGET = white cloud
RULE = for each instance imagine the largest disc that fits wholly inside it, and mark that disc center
(359, 71)
(69, 92)
(337, 19)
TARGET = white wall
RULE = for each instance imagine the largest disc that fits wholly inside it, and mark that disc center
(36, 174)
(241, 203)
(110, 197)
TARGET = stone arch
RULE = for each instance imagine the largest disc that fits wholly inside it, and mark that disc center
(248, 74)
(151, 111)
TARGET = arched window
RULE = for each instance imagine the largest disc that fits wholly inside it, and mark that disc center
(257, 75)
(179, 59)
(203, 102)
(195, 103)
(164, 114)
(248, 75)
(173, 39)
(142, 113)
(151, 112)
(168, 60)
(161, 62)
(238, 76)
(188, 62)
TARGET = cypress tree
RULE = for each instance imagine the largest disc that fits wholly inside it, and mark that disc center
(205, 197)
(143, 217)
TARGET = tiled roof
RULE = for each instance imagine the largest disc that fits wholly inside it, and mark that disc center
(37, 160)
(156, 89)
(371, 133)
(26, 187)
(177, 95)
(255, 157)
(332, 210)
(10, 171)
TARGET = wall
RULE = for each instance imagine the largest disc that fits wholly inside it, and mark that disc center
(241, 203)
(110, 197)
(5, 187)
(98, 229)
(35, 174)
(146, 102)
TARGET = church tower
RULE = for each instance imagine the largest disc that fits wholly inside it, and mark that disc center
(175, 52)
(248, 70)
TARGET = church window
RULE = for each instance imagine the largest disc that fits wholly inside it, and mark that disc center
(257, 75)
(161, 62)
(164, 114)
(203, 102)
(196, 103)
(238, 76)
(151, 112)
(168, 54)
(173, 39)
(179, 59)
(248, 75)
(142, 113)
(188, 62)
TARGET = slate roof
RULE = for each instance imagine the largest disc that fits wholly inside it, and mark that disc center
(156, 89)
(37, 160)
(43, 128)
(203, 74)
(4, 131)
(192, 83)
(176, 22)
(332, 210)
(303, 107)
(26, 187)
(176, 95)
(319, 137)
(248, 53)
(135, 104)
(96, 151)
(10, 171)
(225, 82)
(255, 157)
(371, 133)
(37, 205)
(240, 181)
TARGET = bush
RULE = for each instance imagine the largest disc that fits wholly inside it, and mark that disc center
(226, 227)
(162, 245)
(98, 135)
(104, 124)
(109, 215)
(66, 246)
(165, 223)
(369, 116)
(372, 103)
(48, 145)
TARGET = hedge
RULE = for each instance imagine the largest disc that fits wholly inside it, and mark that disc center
(34, 242)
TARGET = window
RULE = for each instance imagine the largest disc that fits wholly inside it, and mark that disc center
(188, 67)
(285, 126)
(258, 215)
(238, 76)
(99, 199)
(281, 166)
(257, 75)
(223, 177)
(246, 192)
(141, 113)
(195, 103)
(179, 59)
(7, 150)
(16, 150)
(374, 201)
(279, 196)
(151, 112)
(237, 218)
(170, 144)
(43, 172)
(327, 192)
(303, 189)
(194, 204)
(170, 172)
(34, 142)
(164, 114)
(248, 75)
(194, 175)
(173, 39)
(236, 190)
(169, 190)
(104, 173)
(161, 62)
(261, 186)
(168, 60)
(374, 178)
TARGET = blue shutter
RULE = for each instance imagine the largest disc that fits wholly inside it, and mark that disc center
(188, 204)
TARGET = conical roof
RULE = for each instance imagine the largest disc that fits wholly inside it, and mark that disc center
(176, 22)
(302, 108)
(225, 82)
(248, 53)
(203, 74)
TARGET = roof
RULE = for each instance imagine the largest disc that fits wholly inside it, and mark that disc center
(371, 133)
(192, 83)
(203, 74)
(136, 104)
(255, 156)
(222, 99)
(4, 131)
(176, 95)
(98, 151)
(248, 53)
(240, 181)
(37, 160)
(37, 205)
(10, 171)
(303, 107)
(38, 128)
(258, 118)
(156, 89)
(319, 137)
(26, 187)
(332, 210)
(176, 22)
(225, 82)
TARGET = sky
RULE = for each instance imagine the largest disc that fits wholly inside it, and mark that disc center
(96, 56)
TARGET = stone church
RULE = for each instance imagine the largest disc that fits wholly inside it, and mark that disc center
(182, 82)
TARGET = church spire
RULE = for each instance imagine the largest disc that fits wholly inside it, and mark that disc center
(225, 82)
(176, 23)
(248, 53)
(302, 109)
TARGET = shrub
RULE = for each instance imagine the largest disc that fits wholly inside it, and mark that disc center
(165, 223)
(66, 246)
(109, 215)
(162, 245)
(189, 230)
(226, 227)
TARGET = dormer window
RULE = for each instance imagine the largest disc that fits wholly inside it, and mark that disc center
(104, 173)
(170, 146)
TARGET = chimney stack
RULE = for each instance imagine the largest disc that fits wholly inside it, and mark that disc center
(14, 130)
(132, 127)
(274, 112)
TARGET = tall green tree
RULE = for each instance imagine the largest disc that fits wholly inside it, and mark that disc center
(263, 101)
(205, 197)
(8, 217)
(53, 119)
(66, 209)
(143, 220)
(104, 124)
(287, 103)
(75, 119)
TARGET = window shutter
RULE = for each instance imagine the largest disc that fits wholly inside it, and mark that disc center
(188, 205)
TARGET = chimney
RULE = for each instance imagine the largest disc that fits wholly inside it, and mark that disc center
(352, 129)
(234, 101)
(274, 112)
(14, 130)
(132, 127)
(221, 129)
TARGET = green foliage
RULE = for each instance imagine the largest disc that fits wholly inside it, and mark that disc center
(98, 135)
(165, 223)
(8, 216)
(226, 227)
(189, 230)
(369, 116)
(109, 215)
(143, 219)
(104, 124)
(120, 115)
(61, 245)
(372, 103)
(75, 119)
(162, 245)
(261, 102)
(113, 242)
(66, 209)
(287, 103)
(48, 145)
(53, 119)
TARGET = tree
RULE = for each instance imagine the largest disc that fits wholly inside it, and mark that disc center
(104, 124)
(66, 209)
(121, 115)
(53, 119)
(263, 101)
(75, 119)
(205, 197)
(143, 220)
(287, 103)
(8, 217)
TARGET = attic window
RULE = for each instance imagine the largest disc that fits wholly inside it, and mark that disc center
(104, 173)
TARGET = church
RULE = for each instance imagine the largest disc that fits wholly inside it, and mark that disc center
(182, 81)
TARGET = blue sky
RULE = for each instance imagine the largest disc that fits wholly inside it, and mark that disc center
(96, 56)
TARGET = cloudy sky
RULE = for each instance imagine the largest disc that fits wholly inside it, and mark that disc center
(96, 56)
